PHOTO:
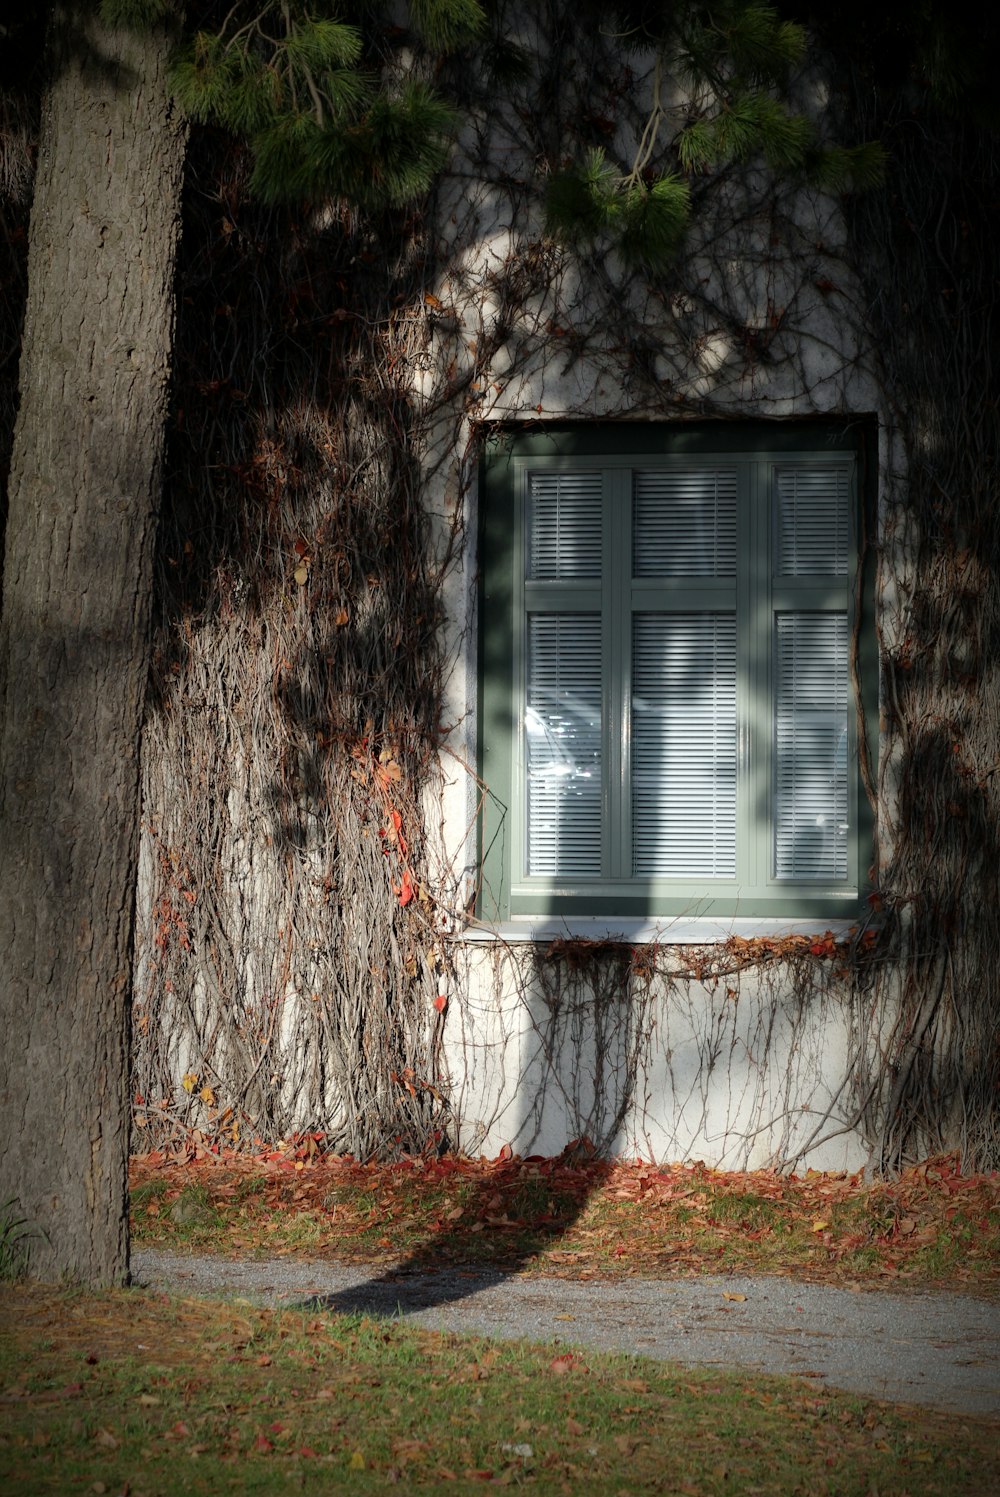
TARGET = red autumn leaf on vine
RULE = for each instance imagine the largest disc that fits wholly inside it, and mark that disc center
(405, 890)
(826, 947)
(441, 1002)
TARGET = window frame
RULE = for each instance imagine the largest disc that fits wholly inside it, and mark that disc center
(506, 893)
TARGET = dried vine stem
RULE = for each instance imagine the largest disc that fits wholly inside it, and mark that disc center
(286, 939)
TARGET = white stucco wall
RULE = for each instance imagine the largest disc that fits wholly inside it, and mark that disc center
(741, 1080)
(758, 323)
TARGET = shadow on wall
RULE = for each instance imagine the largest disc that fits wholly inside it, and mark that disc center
(519, 1207)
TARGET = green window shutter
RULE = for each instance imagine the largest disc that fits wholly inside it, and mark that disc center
(810, 746)
(668, 712)
(813, 520)
(684, 523)
(684, 745)
(562, 723)
(564, 526)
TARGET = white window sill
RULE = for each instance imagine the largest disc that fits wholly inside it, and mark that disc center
(666, 932)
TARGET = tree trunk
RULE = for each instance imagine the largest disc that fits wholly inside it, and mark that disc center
(85, 489)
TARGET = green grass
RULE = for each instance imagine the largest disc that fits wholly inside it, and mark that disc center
(127, 1391)
(16, 1239)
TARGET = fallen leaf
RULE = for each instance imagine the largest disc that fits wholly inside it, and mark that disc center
(357, 1461)
(737, 1298)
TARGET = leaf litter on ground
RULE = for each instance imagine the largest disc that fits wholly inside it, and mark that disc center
(575, 1215)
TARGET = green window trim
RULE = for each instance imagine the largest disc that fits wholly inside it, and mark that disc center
(756, 607)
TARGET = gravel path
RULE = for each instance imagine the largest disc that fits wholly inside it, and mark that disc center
(938, 1349)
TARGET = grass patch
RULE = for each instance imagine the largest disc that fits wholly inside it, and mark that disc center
(16, 1238)
(129, 1391)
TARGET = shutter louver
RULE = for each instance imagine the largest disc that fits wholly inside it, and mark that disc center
(811, 704)
(684, 745)
(684, 523)
(564, 530)
(563, 738)
(812, 525)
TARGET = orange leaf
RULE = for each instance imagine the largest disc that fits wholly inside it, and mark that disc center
(441, 1002)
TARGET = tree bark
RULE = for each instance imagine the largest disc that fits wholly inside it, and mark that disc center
(84, 497)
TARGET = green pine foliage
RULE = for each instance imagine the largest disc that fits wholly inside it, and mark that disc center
(727, 66)
(646, 221)
(387, 157)
(136, 15)
(850, 168)
(654, 220)
(448, 24)
(305, 83)
(301, 83)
